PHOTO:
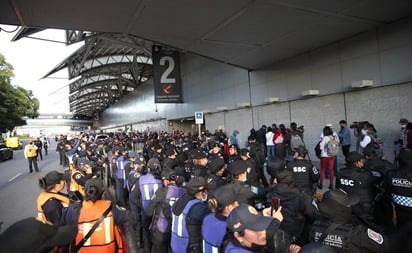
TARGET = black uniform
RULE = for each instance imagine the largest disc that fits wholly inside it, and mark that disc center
(349, 237)
(361, 182)
(305, 175)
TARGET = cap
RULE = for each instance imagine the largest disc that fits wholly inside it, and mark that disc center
(237, 167)
(225, 195)
(340, 197)
(132, 154)
(353, 157)
(37, 236)
(216, 145)
(246, 217)
(170, 151)
(215, 164)
(53, 177)
(82, 160)
(244, 152)
(284, 176)
(153, 164)
(301, 150)
(329, 125)
(198, 154)
(196, 185)
(234, 146)
(403, 121)
(168, 174)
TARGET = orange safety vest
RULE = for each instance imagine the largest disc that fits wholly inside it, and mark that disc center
(43, 198)
(106, 238)
(31, 151)
(74, 186)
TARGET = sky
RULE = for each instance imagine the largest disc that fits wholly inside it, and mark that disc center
(32, 59)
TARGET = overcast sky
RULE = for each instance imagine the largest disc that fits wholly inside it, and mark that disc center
(32, 59)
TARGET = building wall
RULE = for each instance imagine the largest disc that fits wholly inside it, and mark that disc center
(221, 91)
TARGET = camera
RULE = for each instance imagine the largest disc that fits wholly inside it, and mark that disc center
(358, 126)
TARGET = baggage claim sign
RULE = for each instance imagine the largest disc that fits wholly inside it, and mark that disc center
(166, 75)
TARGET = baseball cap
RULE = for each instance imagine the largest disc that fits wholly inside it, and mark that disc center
(340, 197)
(237, 167)
(403, 121)
(53, 177)
(168, 174)
(354, 157)
(246, 217)
(170, 151)
(244, 152)
(234, 146)
(226, 194)
(198, 154)
(196, 185)
(215, 164)
(32, 235)
(94, 183)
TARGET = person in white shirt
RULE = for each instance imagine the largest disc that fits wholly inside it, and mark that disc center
(270, 146)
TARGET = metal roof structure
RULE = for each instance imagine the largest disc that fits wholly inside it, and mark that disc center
(250, 34)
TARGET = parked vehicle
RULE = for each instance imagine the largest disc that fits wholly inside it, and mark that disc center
(14, 143)
(5, 152)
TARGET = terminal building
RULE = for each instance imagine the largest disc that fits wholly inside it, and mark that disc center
(151, 65)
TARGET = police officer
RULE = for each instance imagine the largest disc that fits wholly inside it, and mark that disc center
(341, 231)
(188, 213)
(160, 209)
(199, 160)
(247, 193)
(305, 174)
(399, 184)
(216, 168)
(354, 179)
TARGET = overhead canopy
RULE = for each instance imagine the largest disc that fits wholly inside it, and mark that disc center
(244, 33)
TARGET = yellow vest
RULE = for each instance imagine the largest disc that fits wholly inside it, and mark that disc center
(31, 151)
(45, 196)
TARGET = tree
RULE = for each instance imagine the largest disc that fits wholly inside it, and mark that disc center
(15, 102)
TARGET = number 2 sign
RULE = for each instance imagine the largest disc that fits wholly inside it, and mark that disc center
(166, 75)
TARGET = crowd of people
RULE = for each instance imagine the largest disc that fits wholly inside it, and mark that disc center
(161, 192)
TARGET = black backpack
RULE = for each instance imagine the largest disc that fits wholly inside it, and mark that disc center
(317, 149)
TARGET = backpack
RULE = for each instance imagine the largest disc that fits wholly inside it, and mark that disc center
(296, 141)
(317, 149)
(332, 147)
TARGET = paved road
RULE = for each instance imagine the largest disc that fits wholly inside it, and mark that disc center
(19, 188)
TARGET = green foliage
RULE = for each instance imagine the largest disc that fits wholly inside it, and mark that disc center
(15, 102)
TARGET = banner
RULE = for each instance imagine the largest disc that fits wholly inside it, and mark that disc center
(166, 75)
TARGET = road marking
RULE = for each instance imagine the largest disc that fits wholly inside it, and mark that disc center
(11, 179)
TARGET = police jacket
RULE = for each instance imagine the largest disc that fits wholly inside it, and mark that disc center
(295, 207)
(305, 175)
(351, 237)
(399, 185)
(359, 181)
(213, 232)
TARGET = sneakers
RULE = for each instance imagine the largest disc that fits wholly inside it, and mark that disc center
(331, 187)
(320, 186)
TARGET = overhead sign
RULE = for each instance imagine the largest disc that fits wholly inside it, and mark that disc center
(166, 75)
(199, 117)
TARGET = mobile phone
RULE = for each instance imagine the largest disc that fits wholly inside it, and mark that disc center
(275, 203)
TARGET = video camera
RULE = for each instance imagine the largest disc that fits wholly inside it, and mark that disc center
(358, 126)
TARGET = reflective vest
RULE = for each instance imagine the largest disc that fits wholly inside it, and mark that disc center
(74, 186)
(173, 193)
(180, 235)
(148, 185)
(31, 151)
(106, 238)
(213, 232)
(43, 198)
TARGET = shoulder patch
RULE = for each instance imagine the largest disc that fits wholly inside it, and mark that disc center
(315, 170)
(375, 236)
(376, 173)
(77, 176)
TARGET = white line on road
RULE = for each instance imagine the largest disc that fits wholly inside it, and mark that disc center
(11, 179)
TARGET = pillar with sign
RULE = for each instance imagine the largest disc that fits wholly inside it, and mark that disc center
(199, 121)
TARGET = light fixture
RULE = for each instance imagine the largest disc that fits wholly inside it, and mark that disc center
(307, 93)
(244, 104)
(362, 84)
(271, 99)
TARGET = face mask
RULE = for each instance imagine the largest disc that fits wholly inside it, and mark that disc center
(204, 198)
(244, 180)
(403, 126)
(364, 132)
